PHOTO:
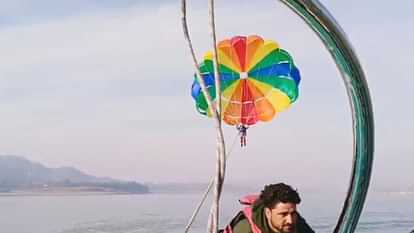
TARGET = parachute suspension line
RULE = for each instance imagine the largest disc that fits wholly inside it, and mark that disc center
(208, 189)
(242, 129)
(213, 224)
(232, 145)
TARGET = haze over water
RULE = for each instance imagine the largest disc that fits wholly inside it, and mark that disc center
(161, 213)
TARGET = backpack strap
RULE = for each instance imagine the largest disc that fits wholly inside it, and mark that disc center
(228, 229)
(248, 212)
(248, 199)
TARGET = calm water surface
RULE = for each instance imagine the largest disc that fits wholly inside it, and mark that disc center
(159, 213)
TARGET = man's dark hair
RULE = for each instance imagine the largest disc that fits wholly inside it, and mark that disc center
(275, 193)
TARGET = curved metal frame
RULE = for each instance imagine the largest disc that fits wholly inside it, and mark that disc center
(334, 39)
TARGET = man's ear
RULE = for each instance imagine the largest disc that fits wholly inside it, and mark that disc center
(268, 212)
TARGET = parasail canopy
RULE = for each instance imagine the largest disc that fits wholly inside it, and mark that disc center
(258, 80)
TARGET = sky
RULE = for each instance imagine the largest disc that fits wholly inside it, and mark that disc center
(104, 86)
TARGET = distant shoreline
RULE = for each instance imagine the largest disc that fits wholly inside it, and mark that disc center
(99, 191)
(64, 193)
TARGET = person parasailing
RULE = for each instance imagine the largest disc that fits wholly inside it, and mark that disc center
(243, 134)
(259, 80)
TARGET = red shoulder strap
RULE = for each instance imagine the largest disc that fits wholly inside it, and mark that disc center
(228, 229)
(249, 199)
(248, 212)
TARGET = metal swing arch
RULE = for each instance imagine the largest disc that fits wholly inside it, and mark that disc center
(328, 30)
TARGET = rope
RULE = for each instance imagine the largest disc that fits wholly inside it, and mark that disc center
(221, 151)
(216, 112)
(208, 189)
(213, 221)
(210, 185)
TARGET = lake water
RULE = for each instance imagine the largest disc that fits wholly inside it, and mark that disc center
(162, 213)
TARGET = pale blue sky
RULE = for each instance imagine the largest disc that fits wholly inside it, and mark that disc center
(104, 87)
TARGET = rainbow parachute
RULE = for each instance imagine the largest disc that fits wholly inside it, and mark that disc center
(258, 80)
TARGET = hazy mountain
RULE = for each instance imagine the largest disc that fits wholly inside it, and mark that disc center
(18, 172)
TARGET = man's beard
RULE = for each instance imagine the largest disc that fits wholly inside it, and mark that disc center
(286, 229)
